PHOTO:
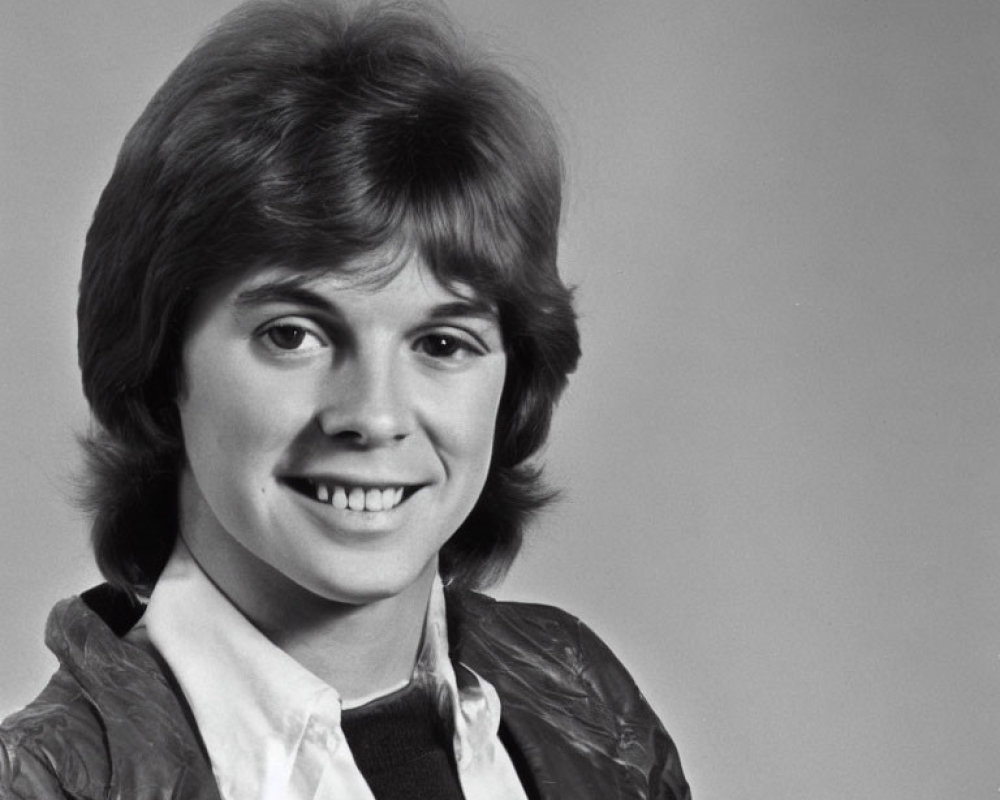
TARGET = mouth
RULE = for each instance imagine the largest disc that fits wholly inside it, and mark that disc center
(351, 497)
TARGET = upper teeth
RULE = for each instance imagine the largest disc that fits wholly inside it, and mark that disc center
(358, 498)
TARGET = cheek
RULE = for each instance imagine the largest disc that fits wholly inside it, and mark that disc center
(232, 425)
(231, 455)
(473, 418)
(212, 422)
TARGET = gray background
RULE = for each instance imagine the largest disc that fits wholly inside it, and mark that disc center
(782, 446)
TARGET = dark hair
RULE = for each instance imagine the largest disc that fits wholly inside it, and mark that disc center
(298, 134)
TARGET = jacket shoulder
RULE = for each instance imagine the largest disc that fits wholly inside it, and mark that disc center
(110, 723)
(558, 678)
(54, 747)
(565, 647)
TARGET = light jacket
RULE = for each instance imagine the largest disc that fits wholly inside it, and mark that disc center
(112, 725)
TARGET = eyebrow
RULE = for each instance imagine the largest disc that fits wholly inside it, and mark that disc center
(466, 307)
(286, 290)
(297, 290)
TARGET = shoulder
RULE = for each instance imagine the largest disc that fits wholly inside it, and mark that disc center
(563, 688)
(109, 722)
(551, 638)
(54, 746)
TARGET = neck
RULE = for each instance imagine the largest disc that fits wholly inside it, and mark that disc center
(359, 649)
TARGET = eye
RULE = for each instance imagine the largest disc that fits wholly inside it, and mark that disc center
(446, 346)
(291, 338)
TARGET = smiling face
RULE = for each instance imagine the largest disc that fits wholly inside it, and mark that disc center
(336, 432)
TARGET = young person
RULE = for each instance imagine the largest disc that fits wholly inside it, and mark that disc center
(322, 333)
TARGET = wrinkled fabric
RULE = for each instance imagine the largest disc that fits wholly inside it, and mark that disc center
(111, 724)
(272, 728)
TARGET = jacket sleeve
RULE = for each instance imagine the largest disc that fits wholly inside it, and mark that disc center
(26, 776)
(643, 743)
(53, 748)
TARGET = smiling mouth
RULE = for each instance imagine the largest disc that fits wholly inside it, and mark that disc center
(351, 498)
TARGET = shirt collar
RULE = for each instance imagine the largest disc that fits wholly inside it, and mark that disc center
(272, 728)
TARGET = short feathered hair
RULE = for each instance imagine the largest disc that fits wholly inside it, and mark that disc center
(304, 135)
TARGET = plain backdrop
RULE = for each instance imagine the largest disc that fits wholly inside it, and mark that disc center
(781, 449)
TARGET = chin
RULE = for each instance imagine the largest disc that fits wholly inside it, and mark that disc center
(376, 584)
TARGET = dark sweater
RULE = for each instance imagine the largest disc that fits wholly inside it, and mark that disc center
(403, 748)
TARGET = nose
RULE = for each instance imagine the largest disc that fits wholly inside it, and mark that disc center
(366, 403)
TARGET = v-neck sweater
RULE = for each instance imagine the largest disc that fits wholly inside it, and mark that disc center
(401, 745)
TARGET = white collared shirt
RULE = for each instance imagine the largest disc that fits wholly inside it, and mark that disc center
(272, 728)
